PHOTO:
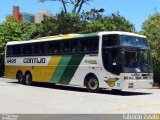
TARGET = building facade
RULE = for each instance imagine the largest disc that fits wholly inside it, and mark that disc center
(39, 17)
(21, 16)
(32, 18)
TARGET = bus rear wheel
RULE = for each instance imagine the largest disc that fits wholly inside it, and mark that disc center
(28, 79)
(20, 78)
(92, 84)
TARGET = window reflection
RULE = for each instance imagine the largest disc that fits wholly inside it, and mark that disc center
(134, 41)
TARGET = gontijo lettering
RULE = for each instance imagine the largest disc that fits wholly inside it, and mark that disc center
(34, 60)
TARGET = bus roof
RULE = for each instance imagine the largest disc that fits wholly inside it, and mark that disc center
(69, 36)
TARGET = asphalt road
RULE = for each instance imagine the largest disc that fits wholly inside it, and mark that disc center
(46, 98)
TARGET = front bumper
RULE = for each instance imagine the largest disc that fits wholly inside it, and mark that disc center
(137, 84)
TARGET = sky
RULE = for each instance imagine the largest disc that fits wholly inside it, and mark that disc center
(136, 11)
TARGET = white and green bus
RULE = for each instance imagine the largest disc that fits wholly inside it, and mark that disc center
(115, 60)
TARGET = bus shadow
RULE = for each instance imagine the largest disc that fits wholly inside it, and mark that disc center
(78, 89)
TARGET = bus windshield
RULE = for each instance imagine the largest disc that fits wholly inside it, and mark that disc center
(134, 41)
(137, 61)
(118, 61)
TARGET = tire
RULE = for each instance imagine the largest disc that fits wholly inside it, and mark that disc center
(92, 84)
(20, 78)
(28, 79)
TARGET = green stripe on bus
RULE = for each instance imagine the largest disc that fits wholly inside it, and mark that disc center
(71, 69)
(60, 69)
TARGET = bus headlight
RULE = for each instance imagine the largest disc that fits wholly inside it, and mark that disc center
(128, 78)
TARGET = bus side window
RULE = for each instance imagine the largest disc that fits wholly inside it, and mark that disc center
(24, 49)
(9, 51)
(30, 49)
(16, 50)
(74, 46)
(65, 46)
(89, 44)
(49, 48)
(84, 45)
(27, 49)
(93, 44)
(110, 40)
(57, 47)
(39, 48)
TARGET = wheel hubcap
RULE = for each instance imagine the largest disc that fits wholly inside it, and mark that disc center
(20, 77)
(28, 79)
(93, 84)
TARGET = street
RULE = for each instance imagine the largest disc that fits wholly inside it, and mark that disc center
(49, 99)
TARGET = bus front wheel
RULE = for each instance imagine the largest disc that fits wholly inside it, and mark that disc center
(28, 79)
(20, 77)
(92, 84)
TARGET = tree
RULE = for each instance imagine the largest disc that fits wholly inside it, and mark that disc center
(12, 30)
(92, 15)
(77, 4)
(151, 29)
(116, 22)
(94, 26)
(91, 21)
(62, 23)
(69, 23)
(98, 22)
